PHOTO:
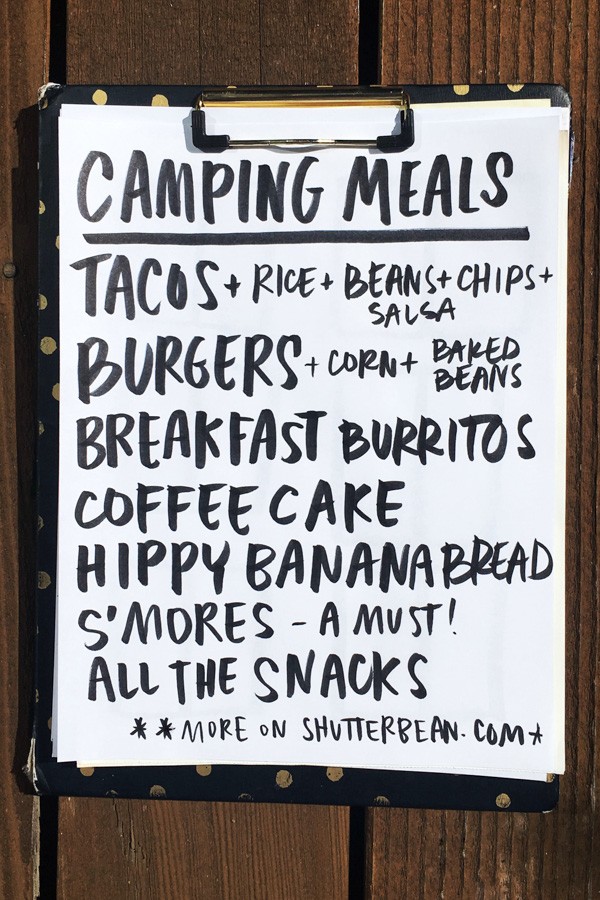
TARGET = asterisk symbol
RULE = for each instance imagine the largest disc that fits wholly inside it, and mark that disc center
(165, 729)
(536, 735)
(139, 728)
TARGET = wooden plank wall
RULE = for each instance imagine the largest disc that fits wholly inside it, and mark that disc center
(24, 40)
(119, 849)
(557, 856)
(165, 850)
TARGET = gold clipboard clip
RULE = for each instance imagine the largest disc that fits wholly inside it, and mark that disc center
(304, 98)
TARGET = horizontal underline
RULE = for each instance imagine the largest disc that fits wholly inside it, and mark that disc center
(406, 236)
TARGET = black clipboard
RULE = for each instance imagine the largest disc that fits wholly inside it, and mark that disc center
(265, 783)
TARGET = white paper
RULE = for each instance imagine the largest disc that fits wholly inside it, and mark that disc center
(465, 677)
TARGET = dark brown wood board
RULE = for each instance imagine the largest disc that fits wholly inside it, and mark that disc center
(458, 854)
(203, 42)
(188, 850)
(23, 65)
(167, 849)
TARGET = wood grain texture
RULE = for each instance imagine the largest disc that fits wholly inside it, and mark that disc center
(551, 857)
(181, 850)
(23, 68)
(206, 42)
(233, 851)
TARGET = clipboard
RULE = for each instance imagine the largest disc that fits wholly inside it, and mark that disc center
(210, 778)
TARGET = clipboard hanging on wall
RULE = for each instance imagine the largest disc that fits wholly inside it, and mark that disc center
(301, 455)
